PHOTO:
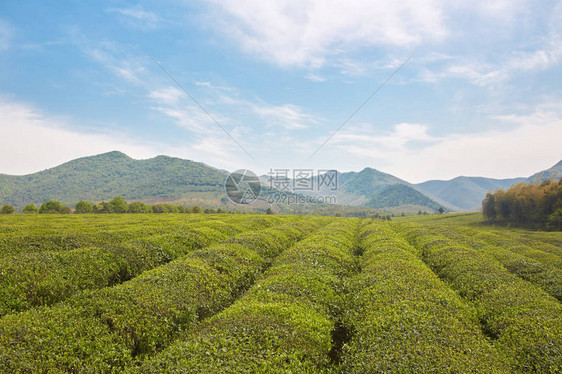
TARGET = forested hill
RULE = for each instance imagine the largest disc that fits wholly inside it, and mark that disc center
(553, 174)
(375, 189)
(105, 176)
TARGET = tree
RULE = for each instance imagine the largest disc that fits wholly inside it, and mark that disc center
(554, 221)
(65, 210)
(441, 210)
(83, 207)
(489, 206)
(269, 211)
(197, 209)
(103, 207)
(51, 207)
(136, 207)
(7, 209)
(30, 209)
(119, 205)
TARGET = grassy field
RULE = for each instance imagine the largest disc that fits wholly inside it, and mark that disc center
(261, 293)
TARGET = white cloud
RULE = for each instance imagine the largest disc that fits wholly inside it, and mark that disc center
(306, 32)
(6, 34)
(137, 17)
(115, 58)
(167, 95)
(530, 144)
(33, 141)
(315, 78)
(490, 73)
(289, 117)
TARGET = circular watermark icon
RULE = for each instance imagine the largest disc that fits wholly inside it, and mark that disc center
(242, 186)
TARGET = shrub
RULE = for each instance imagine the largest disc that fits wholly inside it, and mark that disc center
(51, 207)
(30, 209)
(405, 319)
(83, 207)
(525, 322)
(7, 209)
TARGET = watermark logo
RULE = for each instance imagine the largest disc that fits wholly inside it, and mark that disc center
(242, 186)
(301, 180)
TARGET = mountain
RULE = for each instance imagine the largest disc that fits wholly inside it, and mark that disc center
(465, 193)
(164, 178)
(554, 173)
(105, 176)
(375, 189)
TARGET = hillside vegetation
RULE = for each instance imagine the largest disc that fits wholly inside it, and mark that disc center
(168, 179)
(105, 176)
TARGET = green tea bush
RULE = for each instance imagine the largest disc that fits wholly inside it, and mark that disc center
(46, 277)
(524, 322)
(284, 323)
(141, 316)
(406, 320)
(546, 277)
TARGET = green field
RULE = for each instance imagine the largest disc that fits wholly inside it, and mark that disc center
(231, 293)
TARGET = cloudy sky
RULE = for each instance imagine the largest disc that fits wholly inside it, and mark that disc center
(480, 95)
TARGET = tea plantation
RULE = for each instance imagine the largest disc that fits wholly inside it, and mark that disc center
(236, 293)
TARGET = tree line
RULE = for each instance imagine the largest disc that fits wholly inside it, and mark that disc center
(117, 205)
(533, 205)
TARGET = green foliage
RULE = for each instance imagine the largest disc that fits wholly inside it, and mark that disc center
(105, 176)
(83, 207)
(7, 209)
(526, 204)
(405, 319)
(103, 207)
(119, 205)
(277, 293)
(524, 321)
(51, 207)
(554, 221)
(138, 207)
(289, 314)
(30, 209)
(143, 315)
(390, 195)
(46, 277)
(164, 208)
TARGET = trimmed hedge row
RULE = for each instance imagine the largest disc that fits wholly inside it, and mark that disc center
(123, 324)
(47, 277)
(547, 258)
(89, 231)
(546, 277)
(285, 321)
(407, 320)
(524, 322)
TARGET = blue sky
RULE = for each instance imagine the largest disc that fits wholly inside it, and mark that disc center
(480, 96)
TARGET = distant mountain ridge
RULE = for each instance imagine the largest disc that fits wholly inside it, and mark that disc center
(376, 189)
(467, 193)
(164, 178)
(105, 176)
